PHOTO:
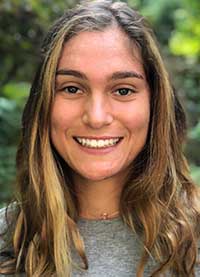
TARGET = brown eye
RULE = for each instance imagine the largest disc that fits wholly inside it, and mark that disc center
(71, 89)
(124, 91)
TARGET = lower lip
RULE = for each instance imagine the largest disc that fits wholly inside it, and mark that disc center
(98, 151)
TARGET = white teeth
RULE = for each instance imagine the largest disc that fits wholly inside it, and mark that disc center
(97, 143)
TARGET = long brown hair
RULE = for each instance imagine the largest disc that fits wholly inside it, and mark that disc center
(159, 201)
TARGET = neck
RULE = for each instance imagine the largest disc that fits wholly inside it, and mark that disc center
(98, 199)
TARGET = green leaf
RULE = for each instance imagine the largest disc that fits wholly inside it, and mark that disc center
(195, 173)
(182, 44)
(17, 91)
(195, 132)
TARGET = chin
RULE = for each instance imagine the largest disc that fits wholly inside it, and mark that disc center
(97, 176)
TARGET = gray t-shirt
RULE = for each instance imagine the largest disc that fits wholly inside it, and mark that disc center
(111, 248)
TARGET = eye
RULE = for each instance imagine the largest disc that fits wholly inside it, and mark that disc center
(71, 89)
(124, 91)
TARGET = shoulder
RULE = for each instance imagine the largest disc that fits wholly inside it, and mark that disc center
(3, 221)
(197, 268)
(7, 216)
(3, 228)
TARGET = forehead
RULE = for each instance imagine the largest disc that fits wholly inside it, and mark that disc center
(100, 50)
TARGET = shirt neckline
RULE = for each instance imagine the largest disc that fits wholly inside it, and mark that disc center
(88, 220)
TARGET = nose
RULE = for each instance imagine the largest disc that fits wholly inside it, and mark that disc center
(97, 112)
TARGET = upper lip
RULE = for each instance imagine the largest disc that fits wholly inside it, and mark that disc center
(95, 137)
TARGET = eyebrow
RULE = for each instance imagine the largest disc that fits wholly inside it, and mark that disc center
(126, 74)
(70, 72)
(115, 76)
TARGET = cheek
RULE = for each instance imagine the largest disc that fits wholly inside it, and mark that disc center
(139, 122)
(59, 121)
(136, 118)
(63, 116)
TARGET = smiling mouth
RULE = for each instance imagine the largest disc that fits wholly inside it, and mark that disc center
(97, 143)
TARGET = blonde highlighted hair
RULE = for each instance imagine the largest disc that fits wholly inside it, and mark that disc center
(159, 201)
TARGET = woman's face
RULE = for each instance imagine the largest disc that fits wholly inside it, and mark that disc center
(101, 111)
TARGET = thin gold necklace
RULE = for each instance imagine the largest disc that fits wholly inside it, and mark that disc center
(102, 216)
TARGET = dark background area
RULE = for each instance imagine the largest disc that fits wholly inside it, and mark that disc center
(23, 24)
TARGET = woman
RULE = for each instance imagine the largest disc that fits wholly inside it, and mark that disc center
(103, 184)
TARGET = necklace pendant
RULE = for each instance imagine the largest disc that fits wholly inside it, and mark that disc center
(104, 216)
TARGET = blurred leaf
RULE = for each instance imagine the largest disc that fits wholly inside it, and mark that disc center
(182, 44)
(195, 132)
(185, 40)
(17, 91)
(195, 173)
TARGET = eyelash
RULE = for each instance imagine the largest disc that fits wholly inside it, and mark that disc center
(130, 91)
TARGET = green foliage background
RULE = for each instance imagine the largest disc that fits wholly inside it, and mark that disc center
(23, 24)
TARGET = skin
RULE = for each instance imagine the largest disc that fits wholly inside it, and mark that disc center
(96, 107)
